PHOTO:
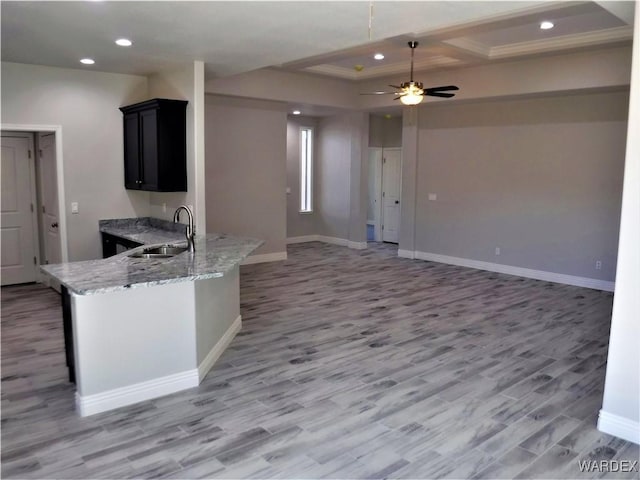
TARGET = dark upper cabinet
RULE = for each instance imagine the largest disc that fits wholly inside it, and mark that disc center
(155, 145)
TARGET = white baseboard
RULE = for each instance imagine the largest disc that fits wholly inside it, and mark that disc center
(265, 257)
(517, 271)
(406, 253)
(303, 239)
(619, 427)
(219, 348)
(343, 242)
(139, 392)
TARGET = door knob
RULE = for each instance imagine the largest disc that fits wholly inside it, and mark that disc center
(54, 225)
(397, 202)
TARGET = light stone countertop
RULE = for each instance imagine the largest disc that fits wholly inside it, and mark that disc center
(215, 255)
(145, 230)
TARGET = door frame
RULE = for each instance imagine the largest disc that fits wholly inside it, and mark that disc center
(62, 217)
(377, 194)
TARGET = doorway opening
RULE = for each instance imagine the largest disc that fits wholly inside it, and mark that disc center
(384, 189)
(32, 230)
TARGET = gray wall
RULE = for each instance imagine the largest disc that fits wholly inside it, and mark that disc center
(332, 177)
(385, 132)
(245, 172)
(85, 104)
(179, 85)
(299, 224)
(539, 178)
(341, 176)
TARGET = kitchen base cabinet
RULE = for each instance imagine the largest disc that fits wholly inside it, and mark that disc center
(67, 328)
(112, 245)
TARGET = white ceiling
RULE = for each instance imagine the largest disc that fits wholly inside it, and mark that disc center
(578, 25)
(313, 36)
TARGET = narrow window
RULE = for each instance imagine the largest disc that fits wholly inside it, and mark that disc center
(306, 169)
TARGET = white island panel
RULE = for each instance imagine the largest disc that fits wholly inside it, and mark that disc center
(133, 345)
(217, 317)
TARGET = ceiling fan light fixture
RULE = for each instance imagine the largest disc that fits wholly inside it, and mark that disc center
(412, 93)
(411, 99)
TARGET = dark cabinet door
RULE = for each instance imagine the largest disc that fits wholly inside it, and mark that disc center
(149, 149)
(155, 147)
(67, 328)
(112, 245)
(131, 151)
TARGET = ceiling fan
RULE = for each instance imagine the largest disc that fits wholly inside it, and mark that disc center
(411, 92)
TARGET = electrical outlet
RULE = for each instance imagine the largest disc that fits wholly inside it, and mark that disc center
(598, 265)
(164, 207)
(497, 250)
(433, 197)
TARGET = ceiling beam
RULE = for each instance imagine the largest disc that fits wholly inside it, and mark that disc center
(623, 10)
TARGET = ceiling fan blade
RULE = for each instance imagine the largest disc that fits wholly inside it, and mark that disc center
(439, 94)
(441, 89)
(378, 93)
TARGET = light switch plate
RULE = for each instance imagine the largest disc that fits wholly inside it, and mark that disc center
(433, 196)
(74, 207)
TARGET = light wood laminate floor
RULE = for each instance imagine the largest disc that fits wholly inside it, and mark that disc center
(350, 364)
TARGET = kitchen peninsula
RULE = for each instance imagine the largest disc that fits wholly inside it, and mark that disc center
(143, 327)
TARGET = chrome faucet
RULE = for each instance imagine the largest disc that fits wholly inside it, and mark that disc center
(191, 231)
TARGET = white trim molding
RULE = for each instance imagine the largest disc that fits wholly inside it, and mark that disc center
(139, 392)
(619, 427)
(343, 242)
(406, 254)
(219, 348)
(303, 239)
(265, 257)
(511, 270)
(597, 37)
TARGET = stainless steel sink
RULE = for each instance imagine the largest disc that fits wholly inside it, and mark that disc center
(163, 251)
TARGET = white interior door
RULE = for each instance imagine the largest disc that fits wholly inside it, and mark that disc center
(49, 198)
(391, 171)
(18, 263)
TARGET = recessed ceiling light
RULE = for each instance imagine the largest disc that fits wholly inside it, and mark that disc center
(378, 56)
(296, 112)
(88, 61)
(124, 42)
(546, 25)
